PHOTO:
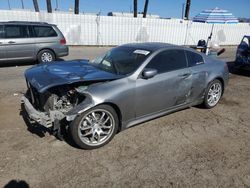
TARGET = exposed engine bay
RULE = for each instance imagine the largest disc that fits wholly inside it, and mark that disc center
(57, 101)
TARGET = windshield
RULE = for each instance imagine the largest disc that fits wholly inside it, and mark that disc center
(121, 60)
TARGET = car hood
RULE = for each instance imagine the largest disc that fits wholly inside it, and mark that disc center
(47, 75)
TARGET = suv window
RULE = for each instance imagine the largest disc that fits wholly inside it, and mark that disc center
(44, 31)
(194, 59)
(168, 60)
(16, 31)
(1, 32)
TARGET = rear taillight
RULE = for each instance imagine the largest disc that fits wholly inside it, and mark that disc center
(63, 41)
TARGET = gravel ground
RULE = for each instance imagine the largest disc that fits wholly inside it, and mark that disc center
(190, 148)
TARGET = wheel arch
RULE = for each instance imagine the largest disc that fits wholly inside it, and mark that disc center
(222, 82)
(217, 78)
(118, 112)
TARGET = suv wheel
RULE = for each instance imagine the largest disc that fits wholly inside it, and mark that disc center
(95, 127)
(45, 56)
(213, 94)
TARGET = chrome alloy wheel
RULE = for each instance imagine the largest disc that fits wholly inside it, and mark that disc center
(214, 94)
(46, 57)
(96, 127)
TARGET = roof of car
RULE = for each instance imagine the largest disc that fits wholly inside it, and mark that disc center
(150, 46)
(248, 36)
(25, 23)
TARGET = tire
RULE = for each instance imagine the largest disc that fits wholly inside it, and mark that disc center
(46, 56)
(212, 97)
(90, 131)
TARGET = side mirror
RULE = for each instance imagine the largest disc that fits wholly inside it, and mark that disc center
(149, 73)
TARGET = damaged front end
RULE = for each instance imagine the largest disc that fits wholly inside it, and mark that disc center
(59, 91)
(56, 104)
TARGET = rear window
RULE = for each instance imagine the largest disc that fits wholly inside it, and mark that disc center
(44, 31)
(1, 32)
(16, 31)
(194, 59)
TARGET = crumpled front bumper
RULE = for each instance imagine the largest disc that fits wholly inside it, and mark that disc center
(48, 119)
(35, 115)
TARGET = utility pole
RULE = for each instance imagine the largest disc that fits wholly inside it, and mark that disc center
(49, 7)
(22, 4)
(188, 4)
(135, 8)
(77, 6)
(145, 9)
(182, 11)
(56, 5)
(9, 4)
(36, 7)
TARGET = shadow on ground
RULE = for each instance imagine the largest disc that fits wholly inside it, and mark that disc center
(17, 184)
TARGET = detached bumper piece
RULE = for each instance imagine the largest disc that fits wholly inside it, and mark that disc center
(37, 116)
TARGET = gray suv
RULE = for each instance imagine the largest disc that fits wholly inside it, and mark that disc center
(23, 41)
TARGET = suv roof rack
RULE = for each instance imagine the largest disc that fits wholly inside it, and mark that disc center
(25, 22)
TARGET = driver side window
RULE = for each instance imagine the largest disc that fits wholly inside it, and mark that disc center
(168, 60)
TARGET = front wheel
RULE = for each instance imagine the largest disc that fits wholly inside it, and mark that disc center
(95, 127)
(213, 94)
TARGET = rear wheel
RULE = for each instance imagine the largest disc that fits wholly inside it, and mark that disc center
(213, 94)
(45, 56)
(95, 127)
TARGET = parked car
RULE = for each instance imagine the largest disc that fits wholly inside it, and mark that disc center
(130, 84)
(23, 41)
(243, 53)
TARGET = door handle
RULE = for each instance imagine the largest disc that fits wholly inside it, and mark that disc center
(11, 42)
(185, 75)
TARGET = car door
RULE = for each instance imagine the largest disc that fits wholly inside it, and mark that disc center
(169, 88)
(19, 44)
(2, 44)
(196, 62)
(242, 54)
